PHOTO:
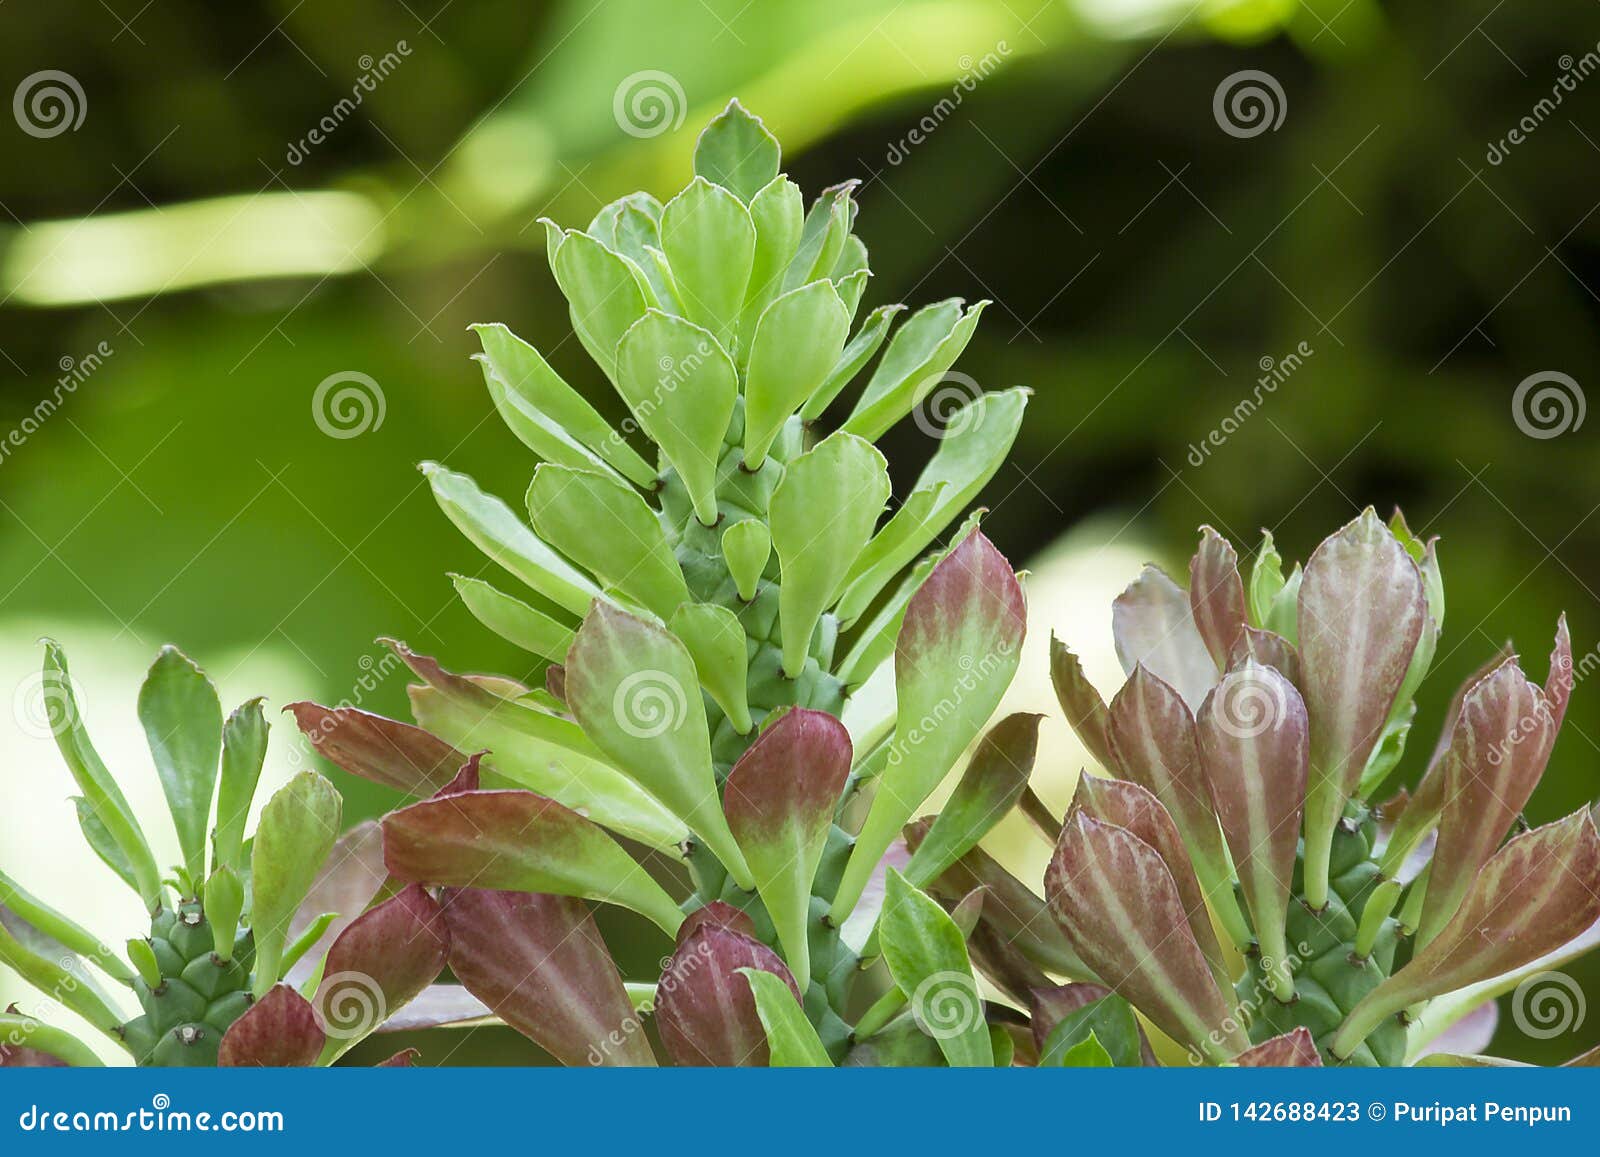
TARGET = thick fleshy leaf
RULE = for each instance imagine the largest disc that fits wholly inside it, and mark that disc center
(704, 1005)
(720, 650)
(529, 378)
(106, 818)
(780, 799)
(385, 751)
(1535, 894)
(377, 965)
(1501, 744)
(538, 961)
(681, 386)
(60, 933)
(279, 1031)
(1216, 595)
(298, 829)
(927, 956)
(823, 236)
(1269, 649)
(183, 724)
(244, 753)
(1119, 906)
(492, 527)
(1101, 1033)
(746, 546)
(47, 1047)
(1153, 627)
(919, 355)
(709, 239)
(537, 430)
(350, 879)
(1254, 737)
(1290, 1050)
(1558, 685)
(1128, 805)
(605, 527)
(514, 620)
(994, 780)
(1266, 580)
(1082, 705)
(58, 974)
(1050, 1006)
(796, 344)
(1361, 613)
(737, 152)
(720, 914)
(522, 842)
(791, 1041)
(778, 212)
(956, 653)
(604, 295)
(822, 515)
(867, 341)
(634, 689)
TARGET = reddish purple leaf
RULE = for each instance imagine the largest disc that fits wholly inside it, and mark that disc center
(539, 963)
(705, 1009)
(1291, 1050)
(379, 964)
(404, 1059)
(1268, 649)
(721, 915)
(396, 755)
(1216, 595)
(279, 1031)
(1117, 903)
(467, 779)
(1153, 627)
(1501, 744)
(1253, 746)
(351, 876)
(1081, 703)
(1050, 1006)
(1558, 684)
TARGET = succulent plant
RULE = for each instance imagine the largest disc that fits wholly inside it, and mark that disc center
(243, 964)
(1235, 881)
(722, 634)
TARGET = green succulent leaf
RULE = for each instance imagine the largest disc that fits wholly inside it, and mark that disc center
(790, 1038)
(822, 238)
(183, 723)
(1088, 1053)
(296, 832)
(709, 239)
(59, 979)
(719, 647)
(224, 905)
(604, 294)
(778, 213)
(514, 620)
(919, 355)
(927, 956)
(1266, 580)
(737, 152)
(746, 545)
(867, 341)
(1109, 1023)
(796, 344)
(244, 753)
(63, 929)
(46, 1039)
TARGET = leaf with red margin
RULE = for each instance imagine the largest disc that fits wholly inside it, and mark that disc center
(538, 961)
(1128, 805)
(385, 751)
(1501, 744)
(1558, 684)
(779, 800)
(404, 1059)
(377, 965)
(1081, 704)
(1290, 1050)
(1153, 626)
(1361, 612)
(956, 653)
(1535, 894)
(1253, 735)
(1050, 1006)
(279, 1031)
(1153, 736)
(704, 1007)
(1216, 595)
(1117, 903)
(522, 842)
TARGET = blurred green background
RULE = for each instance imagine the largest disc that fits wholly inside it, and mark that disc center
(227, 227)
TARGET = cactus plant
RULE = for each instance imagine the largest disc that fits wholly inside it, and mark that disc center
(721, 634)
(1236, 881)
(242, 965)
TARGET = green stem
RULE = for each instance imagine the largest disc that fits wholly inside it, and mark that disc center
(1318, 853)
(1411, 912)
(1379, 905)
(883, 1010)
